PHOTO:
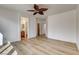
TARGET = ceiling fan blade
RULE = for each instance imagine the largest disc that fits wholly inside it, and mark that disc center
(43, 9)
(31, 10)
(41, 13)
(36, 7)
(35, 13)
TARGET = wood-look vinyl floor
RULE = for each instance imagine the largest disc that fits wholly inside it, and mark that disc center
(43, 46)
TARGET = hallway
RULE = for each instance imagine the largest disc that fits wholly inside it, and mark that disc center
(43, 46)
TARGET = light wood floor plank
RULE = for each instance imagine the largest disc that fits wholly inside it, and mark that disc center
(44, 46)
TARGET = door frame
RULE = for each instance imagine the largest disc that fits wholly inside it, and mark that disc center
(27, 25)
(46, 22)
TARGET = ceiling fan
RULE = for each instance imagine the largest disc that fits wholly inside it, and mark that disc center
(38, 10)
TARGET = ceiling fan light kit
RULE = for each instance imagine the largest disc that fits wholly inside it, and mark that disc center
(38, 10)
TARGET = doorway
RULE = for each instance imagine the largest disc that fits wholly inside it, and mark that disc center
(38, 29)
(24, 28)
(41, 27)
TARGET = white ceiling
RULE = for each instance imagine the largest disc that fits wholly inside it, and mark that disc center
(52, 8)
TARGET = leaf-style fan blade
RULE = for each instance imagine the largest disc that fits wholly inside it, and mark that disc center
(31, 10)
(41, 13)
(43, 9)
(35, 13)
(36, 7)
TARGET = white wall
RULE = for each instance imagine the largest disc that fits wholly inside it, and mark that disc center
(9, 24)
(62, 26)
(77, 27)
